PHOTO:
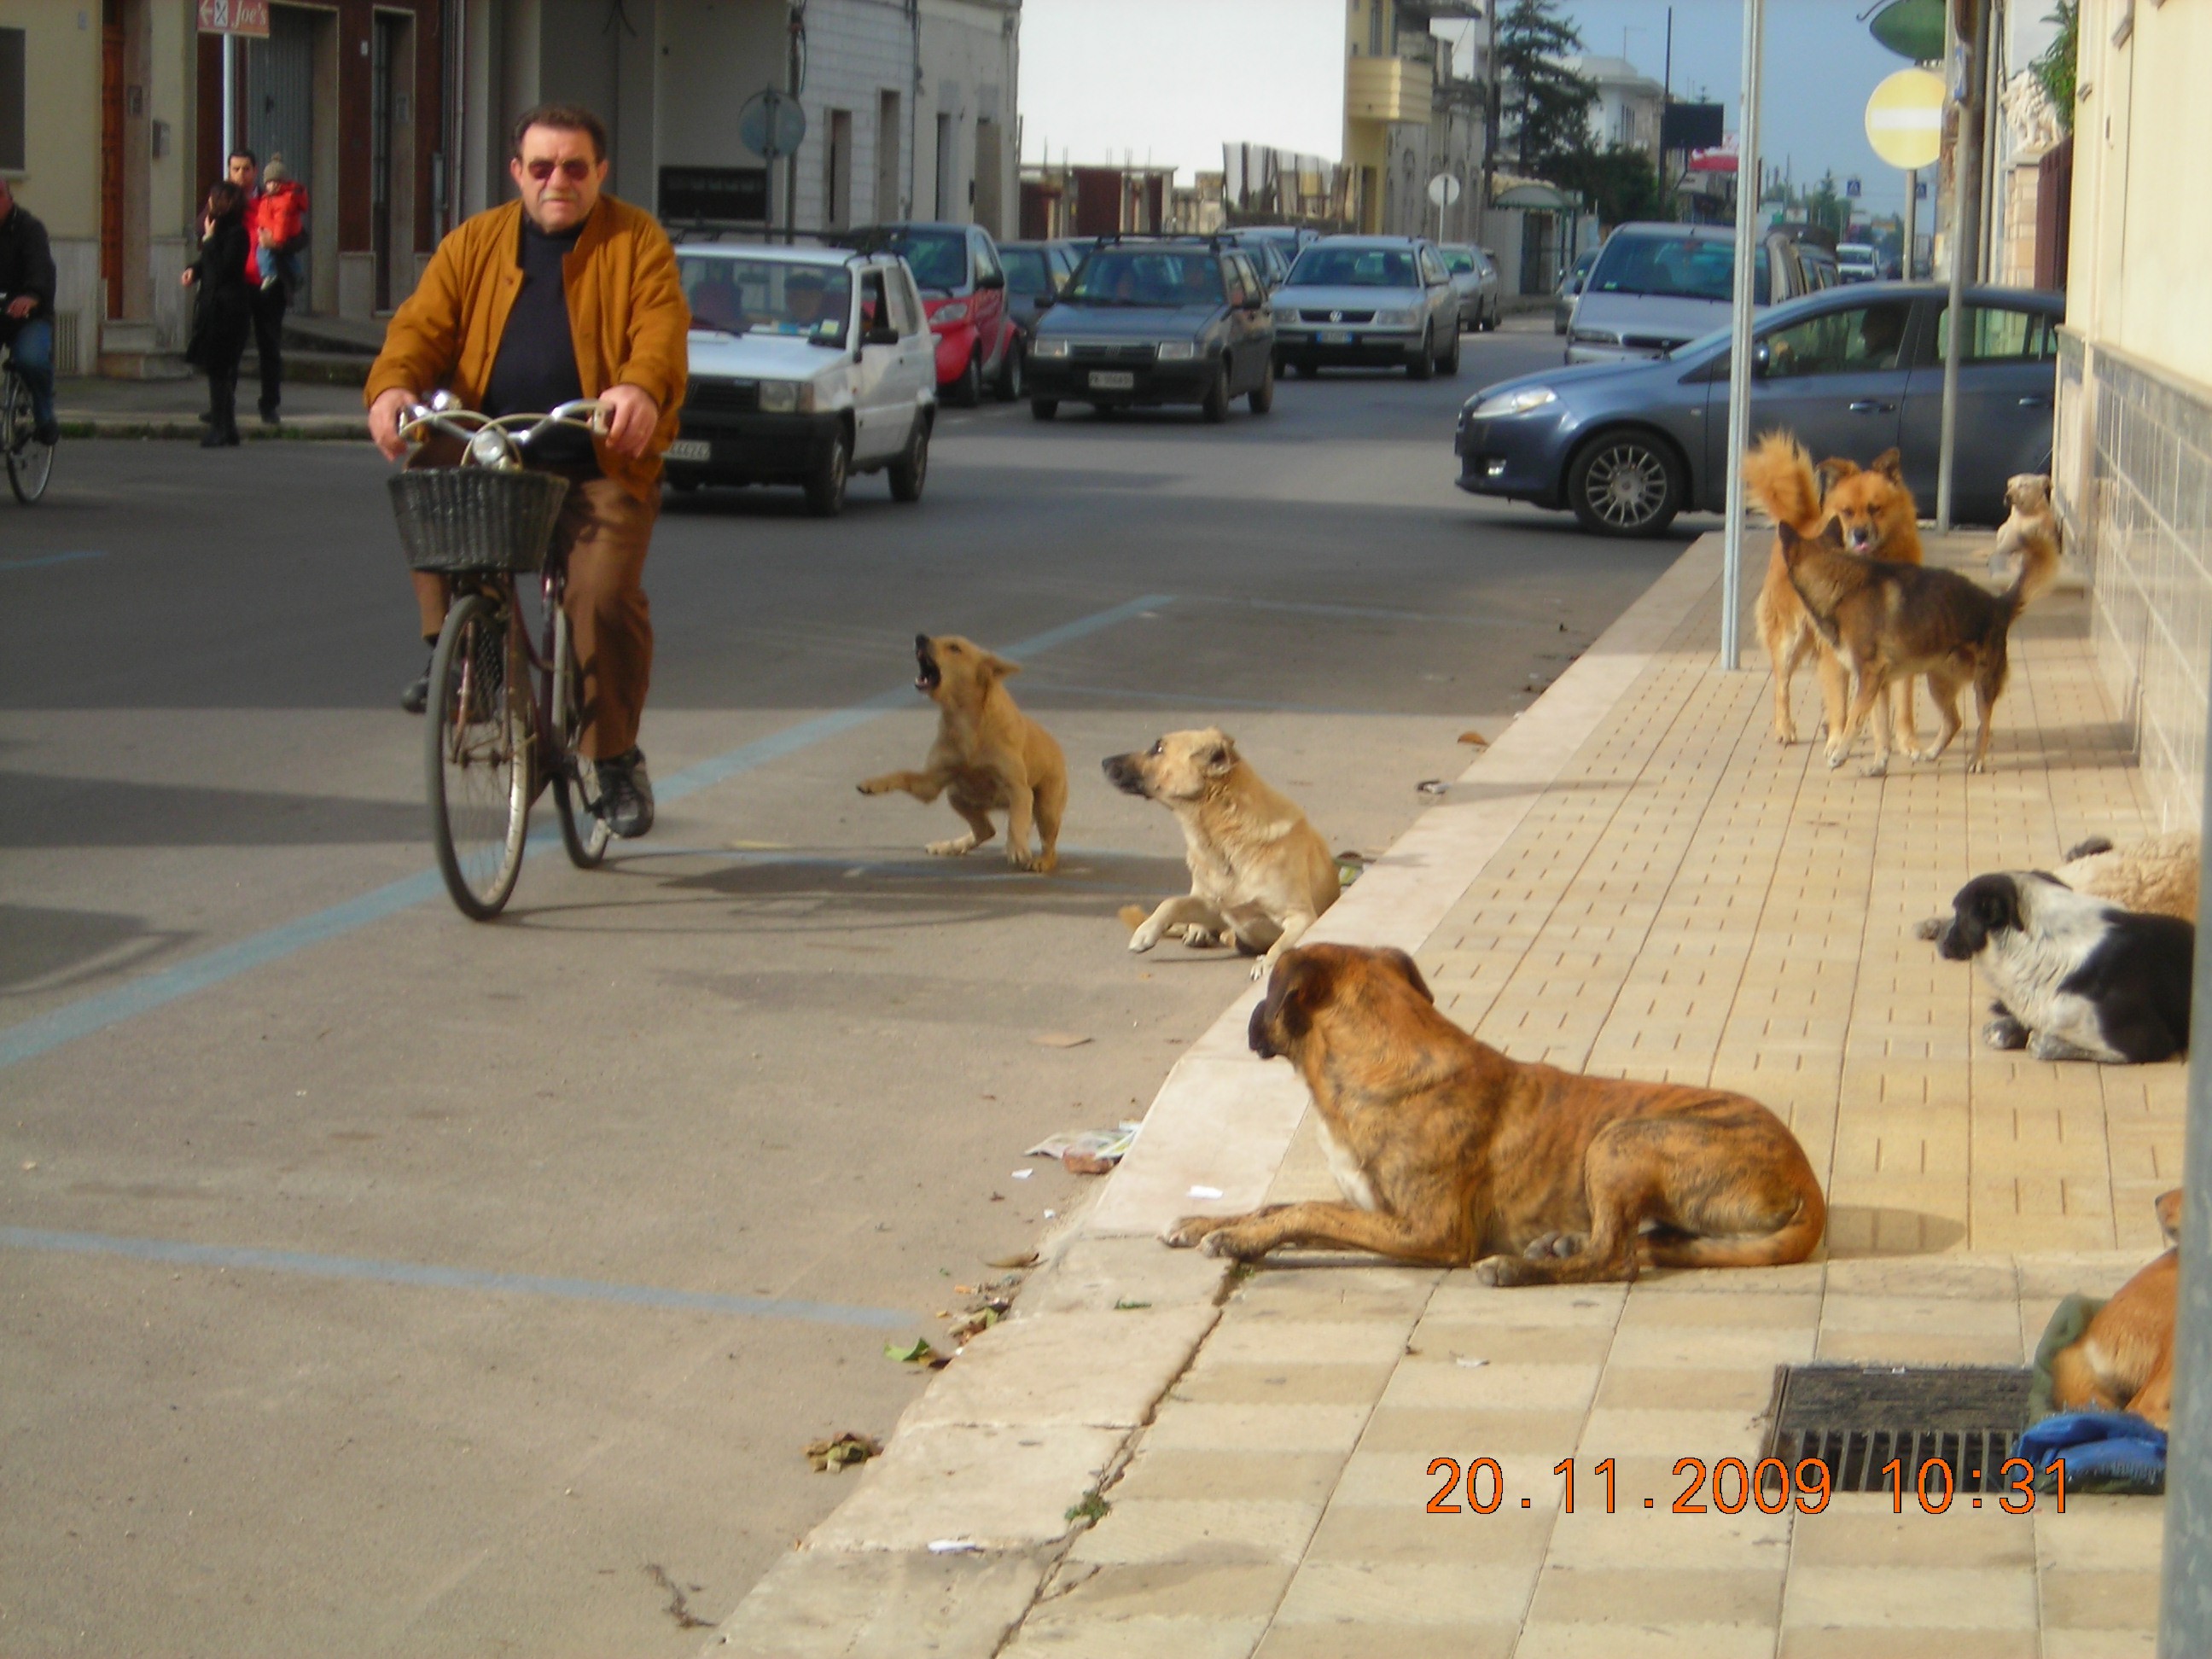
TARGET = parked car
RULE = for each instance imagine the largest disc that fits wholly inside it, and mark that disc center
(1158, 319)
(1655, 286)
(1288, 240)
(1035, 274)
(1821, 270)
(808, 364)
(1563, 297)
(963, 285)
(1858, 262)
(1372, 302)
(1851, 371)
(1474, 279)
(1266, 255)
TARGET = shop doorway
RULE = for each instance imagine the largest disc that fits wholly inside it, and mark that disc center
(111, 155)
(278, 117)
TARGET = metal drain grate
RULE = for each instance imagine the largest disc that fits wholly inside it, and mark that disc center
(1857, 1420)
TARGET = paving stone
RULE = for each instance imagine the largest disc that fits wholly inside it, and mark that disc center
(1398, 1641)
(1173, 1589)
(1673, 1594)
(996, 1486)
(1140, 1639)
(1198, 1529)
(1158, 1472)
(1103, 1370)
(1896, 1595)
(1691, 1640)
(813, 1604)
(1407, 1592)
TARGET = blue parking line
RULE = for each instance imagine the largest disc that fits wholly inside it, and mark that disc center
(52, 558)
(450, 1279)
(50, 1030)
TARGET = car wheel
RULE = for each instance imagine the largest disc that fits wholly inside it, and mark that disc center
(825, 490)
(911, 470)
(1043, 409)
(1011, 377)
(968, 390)
(1215, 405)
(1625, 483)
(1423, 365)
(1263, 398)
(1451, 356)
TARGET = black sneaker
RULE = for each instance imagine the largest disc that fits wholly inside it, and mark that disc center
(625, 803)
(417, 697)
(269, 415)
(48, 432)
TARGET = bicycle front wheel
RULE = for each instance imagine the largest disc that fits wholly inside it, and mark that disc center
(30, 463)
(478, 754)
(584, 833)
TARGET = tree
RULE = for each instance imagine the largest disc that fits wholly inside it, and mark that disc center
(1620, 184)
(1825, 205)
(1549, 103)
(2055, 68)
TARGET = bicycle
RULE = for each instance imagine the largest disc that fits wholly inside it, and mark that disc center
(504, 714)
(29, 462)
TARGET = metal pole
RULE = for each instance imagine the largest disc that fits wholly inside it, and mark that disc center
(2185, 1613)
(1747, 252)
(1965, 213)
(229, 99)
(1911, 220)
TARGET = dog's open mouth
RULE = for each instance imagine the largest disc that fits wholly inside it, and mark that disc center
(928, 676)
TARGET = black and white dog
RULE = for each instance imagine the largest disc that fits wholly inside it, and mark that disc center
(2076, 978)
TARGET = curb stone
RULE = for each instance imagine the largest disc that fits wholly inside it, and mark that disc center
(1041, 1411)
(305, 428)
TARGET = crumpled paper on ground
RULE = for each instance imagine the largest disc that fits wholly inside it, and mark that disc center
(1088, 1152)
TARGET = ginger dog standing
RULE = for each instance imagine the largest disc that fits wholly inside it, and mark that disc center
(988, 756)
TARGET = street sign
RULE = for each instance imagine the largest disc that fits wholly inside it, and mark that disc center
(1443, 189)
(771, 125)
(234, 17)
(1905, 118)
(1851, 186)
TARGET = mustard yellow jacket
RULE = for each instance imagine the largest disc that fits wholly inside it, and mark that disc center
(626, 315)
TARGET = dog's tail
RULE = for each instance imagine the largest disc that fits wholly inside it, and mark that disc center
(2087, 849)
(1778, 476)
(1132, 916)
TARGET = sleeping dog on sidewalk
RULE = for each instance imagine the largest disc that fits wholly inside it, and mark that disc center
(1448, 1152)
(2075, 978)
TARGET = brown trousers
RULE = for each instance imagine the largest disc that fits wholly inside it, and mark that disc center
(606, 532)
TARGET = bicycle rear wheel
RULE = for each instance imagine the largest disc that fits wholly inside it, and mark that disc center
(478, 754)
(30, 463)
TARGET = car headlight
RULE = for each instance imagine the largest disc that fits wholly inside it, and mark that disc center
(786, 397)
(1049, 348)
(943, 315)
(1176, 351)
(1513, 403)
(1594, 336)
(1396, 319)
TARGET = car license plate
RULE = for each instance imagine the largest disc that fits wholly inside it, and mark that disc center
(1336, 336)
(690, 449)
(1112, 379)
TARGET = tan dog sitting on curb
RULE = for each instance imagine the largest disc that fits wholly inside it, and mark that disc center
(988, 756)
(1259, 871)
(2125, 1361)
(1450, 1153)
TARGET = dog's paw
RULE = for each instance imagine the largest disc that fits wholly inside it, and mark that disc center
(1020, 858)
(1190, 1230)
(1552, 1246)
(2006, 1033)
(1232, 1244)
(1837, 757)
(2044, 1046)
(1142, 939)
(1045, 862)
(1202, 938)
(958, 847)
(1501, 1272)
(1876, 767)
(1931, 930)
(1978, 765)
(1260, 969)
(1925, 756)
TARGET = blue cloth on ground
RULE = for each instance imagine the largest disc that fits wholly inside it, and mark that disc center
(2118, 1451)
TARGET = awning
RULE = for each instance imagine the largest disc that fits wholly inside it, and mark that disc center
(1910, 28)
(1542, 197)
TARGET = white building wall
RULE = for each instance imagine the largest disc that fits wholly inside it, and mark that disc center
(856, 51)
(970, 61)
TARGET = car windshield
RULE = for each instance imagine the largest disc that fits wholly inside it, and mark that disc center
(1026, 270)
(938, 258)
(1148, 276)
(767, 296)
(1673, 268)
(1354, 267)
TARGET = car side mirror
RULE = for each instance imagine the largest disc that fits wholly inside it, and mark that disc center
(881, 334)
(991, 279)
(1762, 360)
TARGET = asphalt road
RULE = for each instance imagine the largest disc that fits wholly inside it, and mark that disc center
(374, 1281)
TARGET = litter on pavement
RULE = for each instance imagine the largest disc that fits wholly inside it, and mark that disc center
(832, 1455)
(1205, 1192)
(1088, 1152)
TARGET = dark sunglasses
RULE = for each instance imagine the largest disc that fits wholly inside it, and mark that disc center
(575, 169)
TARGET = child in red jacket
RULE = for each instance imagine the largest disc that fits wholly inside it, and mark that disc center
(281, 217)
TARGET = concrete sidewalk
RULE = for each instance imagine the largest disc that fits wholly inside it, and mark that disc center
(93, 407)
(1634, 880)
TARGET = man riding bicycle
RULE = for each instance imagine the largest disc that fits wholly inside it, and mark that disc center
(567, 292)
(27, 306)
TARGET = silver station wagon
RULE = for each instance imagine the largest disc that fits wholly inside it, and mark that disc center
(1369, 301)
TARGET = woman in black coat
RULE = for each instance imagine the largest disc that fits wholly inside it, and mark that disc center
(222, 313)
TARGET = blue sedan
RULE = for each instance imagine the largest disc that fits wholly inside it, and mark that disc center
(1852, 371)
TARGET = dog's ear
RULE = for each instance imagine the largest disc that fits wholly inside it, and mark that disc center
(997, 667)
(1791, 541)
(1302, 982)
(1832, 534)
(1220, 760)
(2168, 1210)
(1410, 970)
(1998, 906)
(1831, 472)
(1890, 464)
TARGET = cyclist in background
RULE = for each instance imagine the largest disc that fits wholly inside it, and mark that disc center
(564, 294)
(27, 306)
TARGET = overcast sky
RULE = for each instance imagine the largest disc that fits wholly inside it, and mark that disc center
(1171, 80)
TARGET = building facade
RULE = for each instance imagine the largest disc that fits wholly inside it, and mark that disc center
(1413, 112)
(1626, 114)
(2133, 427)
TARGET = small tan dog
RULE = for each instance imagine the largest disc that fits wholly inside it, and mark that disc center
(989, 756)
(2032, 521)
(1449, 1152)
(1260, 872)
(2124, 1360)
(2158, 874)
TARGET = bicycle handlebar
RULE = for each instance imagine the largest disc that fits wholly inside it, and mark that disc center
(491, 440)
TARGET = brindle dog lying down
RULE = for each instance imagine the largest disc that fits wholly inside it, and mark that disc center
(1450, 1153)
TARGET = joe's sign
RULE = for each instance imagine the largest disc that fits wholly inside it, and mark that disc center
(234, 17)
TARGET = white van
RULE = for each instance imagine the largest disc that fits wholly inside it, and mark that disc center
(808, 364)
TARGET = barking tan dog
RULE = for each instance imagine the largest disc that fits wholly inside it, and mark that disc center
(2124, 1360)
(1450, 1152)
(2033, 518)
(1259, 871)
(1887, 622)
(1879, 522)
(988, 755)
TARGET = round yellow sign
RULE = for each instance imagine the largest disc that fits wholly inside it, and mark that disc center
(1905, 118)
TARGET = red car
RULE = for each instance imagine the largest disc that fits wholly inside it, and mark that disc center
(964, 291)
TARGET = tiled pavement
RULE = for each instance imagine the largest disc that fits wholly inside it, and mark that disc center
(1686, 900)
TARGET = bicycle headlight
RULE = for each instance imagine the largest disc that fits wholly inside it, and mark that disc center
(1176, 351)
(1049, 348)
(779, 396)
(1514, 403)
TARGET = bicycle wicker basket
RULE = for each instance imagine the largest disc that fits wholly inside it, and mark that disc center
(474, 517)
